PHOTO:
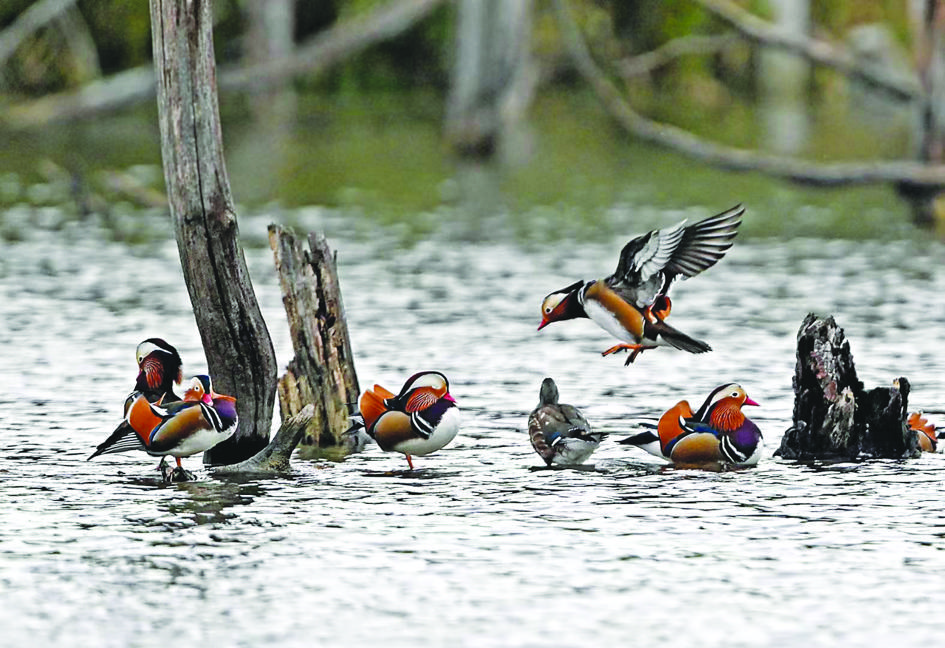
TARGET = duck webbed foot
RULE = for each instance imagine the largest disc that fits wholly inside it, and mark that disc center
(180, 475)
(174, 474)
(635, 350)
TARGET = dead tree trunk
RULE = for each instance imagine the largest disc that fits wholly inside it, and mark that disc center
(930, 64)
(493, 78)
(271, 30)
(270, 37)
(322, 372)
(240, 356)
(834, 417)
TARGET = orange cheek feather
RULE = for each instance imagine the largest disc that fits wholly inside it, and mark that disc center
(421, 399)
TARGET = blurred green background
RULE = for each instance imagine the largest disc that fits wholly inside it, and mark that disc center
(366, 138)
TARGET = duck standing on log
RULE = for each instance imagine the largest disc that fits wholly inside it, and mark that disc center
(718, 434)
(559, 433)
(159, 368)
(419, 420)
(633, 303)
(201, 420)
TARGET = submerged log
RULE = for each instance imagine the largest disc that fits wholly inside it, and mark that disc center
(322, 372)
(834, 416)
(274, 457)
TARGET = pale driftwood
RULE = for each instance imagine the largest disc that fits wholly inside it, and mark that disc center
(315, 56)
(910, 173)
(817, 51)
(274, 458)
(77, 37)
(834, 416)
(322, 372)
(39, 14)
(239, 351)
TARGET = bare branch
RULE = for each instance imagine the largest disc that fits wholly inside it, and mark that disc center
(672, 137)
(818, 51)
(29, 21)
(333, 45)
(665, 54)
(314, 57)
(117, 91)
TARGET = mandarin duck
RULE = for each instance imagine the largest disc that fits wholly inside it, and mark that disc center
(717, 434)
(201, 420)
(633, 303)
(925, 432)
(559, 432)
(419, 420)
(159, 367)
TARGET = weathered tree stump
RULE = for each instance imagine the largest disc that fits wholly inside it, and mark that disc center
(322, 371)
(834, 416)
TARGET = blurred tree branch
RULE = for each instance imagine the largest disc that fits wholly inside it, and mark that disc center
(313, 57)
(332, 45)
(665, 54)
(28, 22)
(818, 51)
(78, 38)
(914, 174)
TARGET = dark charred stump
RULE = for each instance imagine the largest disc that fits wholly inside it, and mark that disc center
(322, 371)
(834, 416)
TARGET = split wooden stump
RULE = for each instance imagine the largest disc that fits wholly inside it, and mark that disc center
(322, 371)
(834, 416)
(320, 381)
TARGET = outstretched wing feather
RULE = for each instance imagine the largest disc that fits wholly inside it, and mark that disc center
(704, 243)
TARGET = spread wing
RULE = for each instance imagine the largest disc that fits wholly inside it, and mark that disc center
(703, 244)
(639, 272)
(649, 263)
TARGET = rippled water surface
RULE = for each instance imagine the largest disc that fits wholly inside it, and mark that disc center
(478, 546)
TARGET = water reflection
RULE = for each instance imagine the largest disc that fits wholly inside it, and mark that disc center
(206, 502)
